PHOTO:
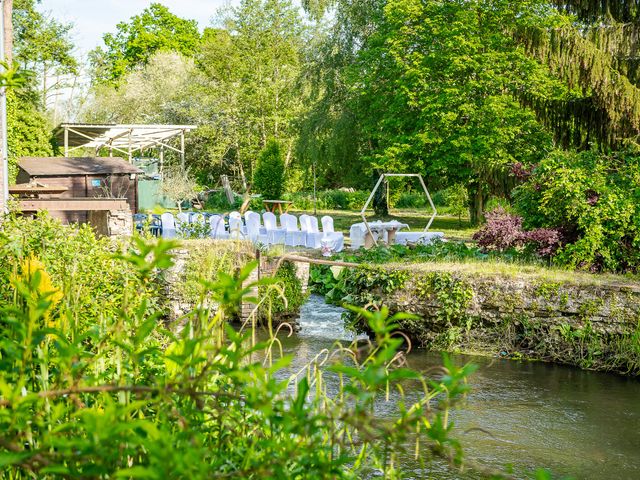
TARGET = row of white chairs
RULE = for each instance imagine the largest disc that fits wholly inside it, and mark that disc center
(260, 229)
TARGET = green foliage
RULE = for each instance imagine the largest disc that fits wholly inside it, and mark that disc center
(411, 200)
(456, 199)
(284, 297)
(453, 296)
(28, 130)
(119, 395)
(206, 260)
(268, 178)
(447, 112)
(195, 230)
(80, 264)
(364, 286)
(217, 202)
(436, 251)
(44, 46)
(593, 198)
(135, 42)
(329, 200)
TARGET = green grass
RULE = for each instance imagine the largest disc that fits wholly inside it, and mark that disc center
(416, 219)
(519, 270)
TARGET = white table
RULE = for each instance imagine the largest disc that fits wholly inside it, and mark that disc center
(382, 230)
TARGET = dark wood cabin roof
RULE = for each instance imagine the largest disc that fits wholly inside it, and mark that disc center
(66, 166)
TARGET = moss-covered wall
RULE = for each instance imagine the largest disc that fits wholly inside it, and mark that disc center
(204, 260)
(197, 261)
(594, 326)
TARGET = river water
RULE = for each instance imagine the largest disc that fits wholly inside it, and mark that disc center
(580, 424)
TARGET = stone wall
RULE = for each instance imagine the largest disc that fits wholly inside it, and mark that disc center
(179, 301)
(591, 325)
(111, 223)
(120, 223)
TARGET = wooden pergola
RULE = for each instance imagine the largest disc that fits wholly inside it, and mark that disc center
(126, 139)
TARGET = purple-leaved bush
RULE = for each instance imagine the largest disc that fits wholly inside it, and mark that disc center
(521, 172)
(504, 231)
(546, 241)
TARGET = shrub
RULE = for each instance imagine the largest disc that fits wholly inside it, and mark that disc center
(285, 296)
(456, 199)
(503, 231)
(268, 179)
(335, 199)
(82, 265)
(217, 202)
(594, 200)
(329, 200)
(411, 200)
(180, 187)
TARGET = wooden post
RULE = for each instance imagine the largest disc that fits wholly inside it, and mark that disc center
(182, 159)
(130, 155)
(315, 211)
(66, 142)
(227, 189)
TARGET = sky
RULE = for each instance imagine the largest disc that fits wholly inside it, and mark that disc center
(94, 18)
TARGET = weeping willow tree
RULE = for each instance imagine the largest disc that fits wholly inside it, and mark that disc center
(597, 53)
(594, 11)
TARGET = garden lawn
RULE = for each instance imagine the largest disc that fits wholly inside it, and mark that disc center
(453, 228)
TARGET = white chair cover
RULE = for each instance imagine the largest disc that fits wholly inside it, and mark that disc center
(249, 213)
(293, 236)
(217, 228)
(277, 236)
(168, 225)
(309, 225)
(336, 238)
(253, 229)
(421, 238)
(237, 231)
(357, 233)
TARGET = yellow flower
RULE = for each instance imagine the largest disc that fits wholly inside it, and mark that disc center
(45, 288)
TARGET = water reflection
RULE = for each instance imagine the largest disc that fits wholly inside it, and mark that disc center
(576, 423)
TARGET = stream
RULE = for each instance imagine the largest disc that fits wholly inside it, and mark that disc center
(579, 424)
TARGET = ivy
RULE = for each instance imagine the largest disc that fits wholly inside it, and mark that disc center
(453, 296)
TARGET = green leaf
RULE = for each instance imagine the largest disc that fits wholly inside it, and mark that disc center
(136, 472)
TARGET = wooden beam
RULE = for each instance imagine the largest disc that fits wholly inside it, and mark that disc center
(72, 204)
(314, 261)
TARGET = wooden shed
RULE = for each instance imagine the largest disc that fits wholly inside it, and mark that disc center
(83, 177)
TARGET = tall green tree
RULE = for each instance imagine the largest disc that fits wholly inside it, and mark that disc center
(135, 42)
(240, 84)
(433, 88)
(267, 38)
(268, 177)
(331, 139)
(43, 45)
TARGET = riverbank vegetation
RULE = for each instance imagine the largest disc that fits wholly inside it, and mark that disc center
(116, 391)
(505, 310)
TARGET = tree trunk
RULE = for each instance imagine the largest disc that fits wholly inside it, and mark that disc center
(7, 6)
(477, 202)
(380, 205)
